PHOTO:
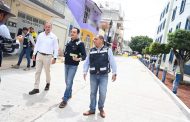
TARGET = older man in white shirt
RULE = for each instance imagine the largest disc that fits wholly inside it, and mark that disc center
(46, 46)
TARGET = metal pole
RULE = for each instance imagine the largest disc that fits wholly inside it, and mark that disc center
(110, 25)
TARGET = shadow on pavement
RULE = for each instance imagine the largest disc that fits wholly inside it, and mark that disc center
(32, 99)
(66, 112)
(92, 118)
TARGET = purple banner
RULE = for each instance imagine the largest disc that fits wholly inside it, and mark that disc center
(77, 8)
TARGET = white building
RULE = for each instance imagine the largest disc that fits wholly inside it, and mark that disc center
(34, 13)
(176, 15)
(112, 11)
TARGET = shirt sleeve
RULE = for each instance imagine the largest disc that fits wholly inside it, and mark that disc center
(112, 61)
(36, 45)
(86, 65)
(83, 51)
(4, 31)
(32, 40)
(55, 48)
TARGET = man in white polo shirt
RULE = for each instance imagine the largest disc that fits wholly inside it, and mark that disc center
(46, 46)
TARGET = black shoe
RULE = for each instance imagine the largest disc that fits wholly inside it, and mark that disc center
(34, 91)
(47, 87)
(63, 104)
(33, 66)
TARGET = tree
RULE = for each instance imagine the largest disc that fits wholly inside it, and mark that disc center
(179, 41)
(157, 48)
(140, 42)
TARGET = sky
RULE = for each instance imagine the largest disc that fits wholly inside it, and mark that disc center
(141, 16)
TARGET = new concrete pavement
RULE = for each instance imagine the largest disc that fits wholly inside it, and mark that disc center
(136, 96)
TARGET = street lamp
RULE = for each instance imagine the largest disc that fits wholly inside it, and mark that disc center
(109, 38)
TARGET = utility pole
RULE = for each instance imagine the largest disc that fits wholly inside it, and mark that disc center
(108, 39)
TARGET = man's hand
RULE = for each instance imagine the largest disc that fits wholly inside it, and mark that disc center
(53, 61)
(114, 77)
(33, 57)
(84, 76)
(76, 59)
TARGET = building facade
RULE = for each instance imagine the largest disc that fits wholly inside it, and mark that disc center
(87, 15)
(34, 13)
(112, 24)
(177, 17)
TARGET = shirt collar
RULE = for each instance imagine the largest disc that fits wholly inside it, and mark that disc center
(100, 47)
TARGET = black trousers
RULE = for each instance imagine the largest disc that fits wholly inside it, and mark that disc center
(1, 57)
(31, 54)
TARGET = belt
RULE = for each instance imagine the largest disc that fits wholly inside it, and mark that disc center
(45, 54)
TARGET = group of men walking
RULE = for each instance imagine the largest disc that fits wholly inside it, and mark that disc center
(45, 53)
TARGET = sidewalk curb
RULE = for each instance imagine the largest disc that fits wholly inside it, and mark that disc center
(178, 102)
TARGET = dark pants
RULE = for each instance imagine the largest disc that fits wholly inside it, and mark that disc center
(26, 51)
(31, 54)
(1, 57)
(176, 83)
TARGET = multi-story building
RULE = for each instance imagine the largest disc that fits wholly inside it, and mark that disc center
(36, 12)
(88, 15)
(112, 24)
(175, 15)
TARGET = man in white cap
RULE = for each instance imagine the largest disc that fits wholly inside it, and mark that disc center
(5, 13)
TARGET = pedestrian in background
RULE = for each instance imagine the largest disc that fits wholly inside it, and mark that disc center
(28, 43)
(34, 35)
(46, 46)
(74, 53)
(177, 77)
(5, 13)
(99, 61)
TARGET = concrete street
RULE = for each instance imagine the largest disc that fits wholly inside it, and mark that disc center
(136, 96)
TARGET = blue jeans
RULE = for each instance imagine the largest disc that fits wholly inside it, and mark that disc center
(26, 51)
(1, 57)
(157, 70)
(164, 76)
(98, 82)
(70, 71)
(152, 68)
(176, 83)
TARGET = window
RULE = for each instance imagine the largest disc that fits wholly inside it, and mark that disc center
(174, 13)
(160, 17)
(164, 24)
(29, 17)
(164, 57)
(158, 29)
(183, 2)
(171, 56)
(86, 14)
(41, 22)
(21, 15)
(170, 31)
(187, 25)
(160, 39)
(35, 20)
(178, 25)
(167, 7)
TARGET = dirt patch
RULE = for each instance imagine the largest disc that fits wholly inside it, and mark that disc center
(183, 92)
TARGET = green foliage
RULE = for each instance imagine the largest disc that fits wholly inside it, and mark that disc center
(147, 50)
(180, 40)
(165, 48)
(140, 42)
(154, 48)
